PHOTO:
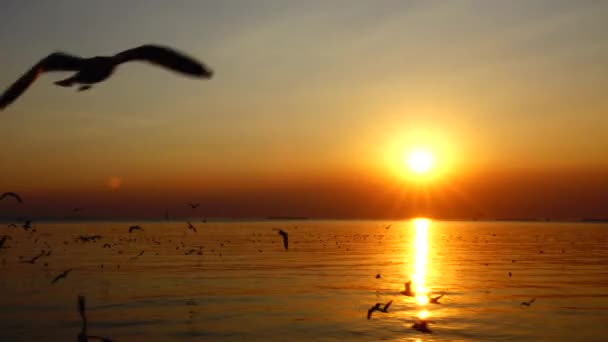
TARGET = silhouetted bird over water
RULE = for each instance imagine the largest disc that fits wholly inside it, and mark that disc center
(528, 303)
(132, 228)
(11, 194)
(408, 289)
(422, 326)
(435, 300)
(192, 227)
(193, 205)
(377, 308)
(97, 69)
(285, 237)
(63, 275)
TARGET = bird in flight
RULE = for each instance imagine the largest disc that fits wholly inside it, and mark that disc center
(33, 260)
(193, 205)
(388, 226)
(132, 228)
(435, 300)
(377, 308)
(528, 303)
(378, 276)
(11, 194)
(192, 227)
(64, 275)
(97, 69)
(12, 225)
(285, 237)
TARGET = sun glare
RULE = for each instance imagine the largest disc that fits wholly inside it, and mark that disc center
(420, 161)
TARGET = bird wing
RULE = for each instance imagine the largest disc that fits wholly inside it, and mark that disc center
(385, 309)
(370, 311)
(165, 57)
(57, 61)
(531, 300)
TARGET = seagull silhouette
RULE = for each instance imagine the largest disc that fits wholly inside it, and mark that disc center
(388, 226)
(27, 225)
(132, 228)
(285, 237)
(64, 275)
(377, 308)
(33, 260)
(193, 205)
(191, 227)
(408, 289)
(422, 326)
(11, 194)
(97, 69)
(528, 303)
(12, 225)
(378, 276)
(435, 300)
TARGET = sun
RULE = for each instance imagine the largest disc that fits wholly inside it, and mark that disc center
(420, 161)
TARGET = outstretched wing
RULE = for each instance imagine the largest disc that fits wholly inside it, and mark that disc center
(57, 61)
(385, 309)
(167, 58)
(11, 194)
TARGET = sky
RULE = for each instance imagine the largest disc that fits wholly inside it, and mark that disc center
(312, 109)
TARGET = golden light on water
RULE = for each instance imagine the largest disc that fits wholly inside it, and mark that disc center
(421, 226)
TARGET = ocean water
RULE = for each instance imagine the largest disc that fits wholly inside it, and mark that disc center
(234, 281)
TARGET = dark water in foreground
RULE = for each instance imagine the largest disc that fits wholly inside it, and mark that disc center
(245, 286)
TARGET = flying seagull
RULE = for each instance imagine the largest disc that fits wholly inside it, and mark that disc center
(33, 260)
(528, 303)
(193, 205)
(27, 225)
(422, 326)
(191, 227)
(132, 228)
(377, 308)
(97, 69)
(435, 300)
(285, 237)
(11, 194)
(62, 275)
(408, 289)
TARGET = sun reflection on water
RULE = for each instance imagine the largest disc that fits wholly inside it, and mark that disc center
(421, 226)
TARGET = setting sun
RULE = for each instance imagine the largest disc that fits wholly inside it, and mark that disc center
(420, 161)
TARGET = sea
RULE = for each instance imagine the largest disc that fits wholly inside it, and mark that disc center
(236, 281)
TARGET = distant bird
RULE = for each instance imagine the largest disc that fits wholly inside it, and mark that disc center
(388, 226)
(97, 69)
(422, 326)
(191, 227)
(11, 194)
(12, 225)
(63, 275)
(136, 227)
(510, 274)
(408, 289)
(3, 240)
(435, 300)
(85, 238)
(33, 260)
(193, 205)
(377, 308)
(528, 303)
(378, 276)
(27, 225)
(107, 245)
(285, 237)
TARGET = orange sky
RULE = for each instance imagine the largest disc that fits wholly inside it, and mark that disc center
(313, 108)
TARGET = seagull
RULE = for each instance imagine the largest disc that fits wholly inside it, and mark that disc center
(13, 195)
(528, 303)
(285, 237)
(377, 308)
(12, 225)
(388, 226)
(378, 276)
(3, 240)
(193, 205)
(191, 227)
(84, 238)
(408, 289)
(33, 260)
(62, 275)
(97, 69)
(132, 228)
(422, 326)
(107, 245)
(27, 225)
(435, 300)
